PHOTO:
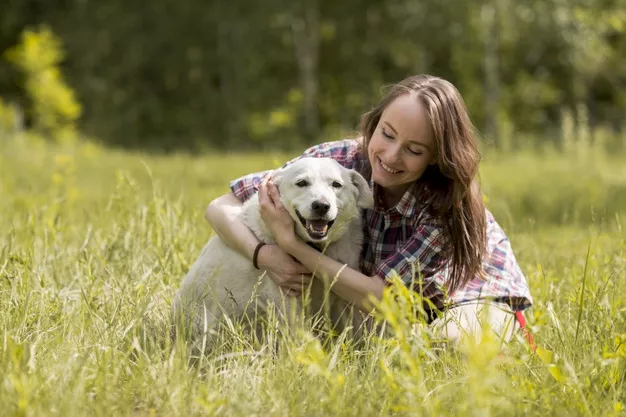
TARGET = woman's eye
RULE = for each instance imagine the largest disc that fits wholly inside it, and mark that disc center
(414, 152)
(302, 183)
(337, 184)
(385, 134)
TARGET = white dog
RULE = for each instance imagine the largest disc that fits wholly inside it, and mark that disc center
(324, 199)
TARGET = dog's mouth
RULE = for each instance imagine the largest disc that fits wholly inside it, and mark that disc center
(317, 229)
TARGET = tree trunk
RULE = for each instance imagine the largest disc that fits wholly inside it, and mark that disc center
(229, 41)
(305, 29)
(491, 72)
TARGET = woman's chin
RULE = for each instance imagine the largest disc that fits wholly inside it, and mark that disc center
(385, 179)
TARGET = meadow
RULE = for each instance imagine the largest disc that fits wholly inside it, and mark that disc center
(95, 241)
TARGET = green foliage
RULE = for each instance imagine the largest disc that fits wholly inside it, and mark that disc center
(55, 109)
(8, 119)
(278, 73)
(96, 242)
(580, 187)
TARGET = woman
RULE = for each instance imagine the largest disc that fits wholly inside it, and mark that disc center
(420, 151)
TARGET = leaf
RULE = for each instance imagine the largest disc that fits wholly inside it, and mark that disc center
(545, 355)
(556, 373)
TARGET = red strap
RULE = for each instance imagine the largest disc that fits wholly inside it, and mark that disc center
(519, 316)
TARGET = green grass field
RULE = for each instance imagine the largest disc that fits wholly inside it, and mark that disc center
(94, 243)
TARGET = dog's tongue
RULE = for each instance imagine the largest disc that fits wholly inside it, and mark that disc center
(318, 226)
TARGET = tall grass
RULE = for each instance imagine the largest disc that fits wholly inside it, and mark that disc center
(94, 244)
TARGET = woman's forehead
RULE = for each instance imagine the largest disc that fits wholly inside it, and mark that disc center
(406, 117)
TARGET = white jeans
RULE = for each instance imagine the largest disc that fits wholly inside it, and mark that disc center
(473, 318)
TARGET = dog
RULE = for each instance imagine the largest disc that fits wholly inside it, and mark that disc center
(324, 199)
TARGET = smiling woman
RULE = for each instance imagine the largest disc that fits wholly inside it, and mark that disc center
(401, 147)
(429, 224)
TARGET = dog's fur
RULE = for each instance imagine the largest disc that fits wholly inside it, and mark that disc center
(223, 282)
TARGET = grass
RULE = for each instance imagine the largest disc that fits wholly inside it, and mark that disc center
(94, 243)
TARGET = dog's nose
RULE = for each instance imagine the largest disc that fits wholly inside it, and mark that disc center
(320, 208)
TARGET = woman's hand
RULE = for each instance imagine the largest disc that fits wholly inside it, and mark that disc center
(290, 275)
(275, 215)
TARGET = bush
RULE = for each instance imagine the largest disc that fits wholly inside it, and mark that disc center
(53, 109)
(9, 119)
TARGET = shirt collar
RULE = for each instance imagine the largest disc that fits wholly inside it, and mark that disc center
(406, 206)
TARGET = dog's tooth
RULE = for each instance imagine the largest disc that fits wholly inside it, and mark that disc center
(325, 229)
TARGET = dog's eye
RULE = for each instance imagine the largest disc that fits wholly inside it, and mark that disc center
(336, 184)
(302, 183)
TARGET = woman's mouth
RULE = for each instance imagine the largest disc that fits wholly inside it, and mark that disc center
(387, 168)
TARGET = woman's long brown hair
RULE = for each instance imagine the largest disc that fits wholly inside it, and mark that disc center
(456, 198)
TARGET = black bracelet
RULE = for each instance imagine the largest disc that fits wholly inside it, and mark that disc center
(256, 254)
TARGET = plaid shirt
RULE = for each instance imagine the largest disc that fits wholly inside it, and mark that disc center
(407, 239)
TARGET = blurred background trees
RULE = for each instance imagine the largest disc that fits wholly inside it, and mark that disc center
(191, 74)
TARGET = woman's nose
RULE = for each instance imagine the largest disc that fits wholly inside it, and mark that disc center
(393, 153)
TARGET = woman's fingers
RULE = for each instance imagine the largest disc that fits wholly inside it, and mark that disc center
(304, 279)
(297, 268)
(264, 197)
(274, 194)
(292, 292)
(297, 284)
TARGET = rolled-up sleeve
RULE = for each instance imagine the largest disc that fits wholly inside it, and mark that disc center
(246, 186)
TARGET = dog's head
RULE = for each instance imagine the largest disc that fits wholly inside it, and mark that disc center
(322, 197)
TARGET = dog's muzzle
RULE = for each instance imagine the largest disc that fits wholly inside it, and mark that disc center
(317, 229)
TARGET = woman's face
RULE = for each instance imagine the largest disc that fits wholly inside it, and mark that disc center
(402, 146)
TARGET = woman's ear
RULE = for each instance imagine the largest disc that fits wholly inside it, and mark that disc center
(365, 197)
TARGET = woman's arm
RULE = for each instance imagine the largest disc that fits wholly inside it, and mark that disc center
(223, 215)
(349, 284)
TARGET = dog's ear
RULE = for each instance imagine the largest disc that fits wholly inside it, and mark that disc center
(365, 198)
